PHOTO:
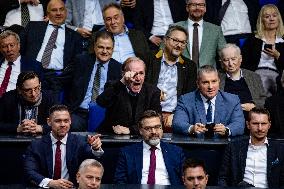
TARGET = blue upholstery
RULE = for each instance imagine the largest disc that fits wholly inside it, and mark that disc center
(264, 2)
(96, 116)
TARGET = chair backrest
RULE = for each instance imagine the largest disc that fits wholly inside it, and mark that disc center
(264, 2)
(96, 116)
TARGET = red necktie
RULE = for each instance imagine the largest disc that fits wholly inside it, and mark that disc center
(57, 162)
(6, 79)
(152, 167)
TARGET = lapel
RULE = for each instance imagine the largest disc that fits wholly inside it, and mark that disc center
(167, 158)
(89, 65)
(222, 76)
(249, 80)
(47, 145)
(132, 37)
(69, 149)
(68, 39)
(200, 108)
(220, 108)
(205, 36)
(157, 66)
(187, 49)
(271, 154)
(140, 102)
(243, 154)
(138, 159)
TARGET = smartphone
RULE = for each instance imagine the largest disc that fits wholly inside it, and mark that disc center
(267, 46)
(210, 132)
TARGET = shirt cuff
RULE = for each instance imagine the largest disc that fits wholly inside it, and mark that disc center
(98, 153)
(190, 128)
(44, 183)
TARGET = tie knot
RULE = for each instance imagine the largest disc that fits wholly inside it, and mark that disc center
(58, 143)
(153, 148)
(10, 63)
(55, 26)
(99, 65)
(195, 24)
(209, 102)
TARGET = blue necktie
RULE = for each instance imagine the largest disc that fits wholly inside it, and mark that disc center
(209, 112)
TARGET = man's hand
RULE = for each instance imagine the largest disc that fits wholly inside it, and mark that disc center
(198, 128)
(95, 141)
(128, 77)
(156, 40)
(121, 130)
(32, 2)
(60, 184)
(220, 129)
(84, 32)
(247, 106)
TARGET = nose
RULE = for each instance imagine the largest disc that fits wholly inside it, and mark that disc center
(9, 48)
(196, 181)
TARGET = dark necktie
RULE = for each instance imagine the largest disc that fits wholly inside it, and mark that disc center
(209, 112)
(152, 167)
(49, 47)
(96, 84)
(25, 15)
(6, 79)
(57, 162)
(195, 44)
(223, 10)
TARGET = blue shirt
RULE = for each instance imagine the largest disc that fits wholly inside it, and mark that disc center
(103, 79)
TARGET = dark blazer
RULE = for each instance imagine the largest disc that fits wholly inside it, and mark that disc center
(33, 35)
(251, 53)
(116, 100)
(213, 8)
(186, 73)
(130, 163)
(234, 162)
(81, 76)
(144, 14)
(10, 115)
(38, 158)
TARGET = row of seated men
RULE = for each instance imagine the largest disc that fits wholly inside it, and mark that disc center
(53, 160)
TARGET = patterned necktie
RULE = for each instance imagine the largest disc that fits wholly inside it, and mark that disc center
(152, 167)
(96, 83)
(209, 112)
(6, 79)
(57, 162)
(223, 10)
(195, 44)
(25, 15)
(49, 47)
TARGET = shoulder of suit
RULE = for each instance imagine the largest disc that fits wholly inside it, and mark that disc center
(212, 26)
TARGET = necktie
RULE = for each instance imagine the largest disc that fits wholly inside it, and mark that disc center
(96, 84)
(195, 44)
(223, 10)
(152, 167)
(209, 112)
(25, 15)
(6, 79)
(49, 47)
(57, 162)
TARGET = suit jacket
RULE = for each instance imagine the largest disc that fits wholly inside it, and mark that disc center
(10, 114)
(80, 79)
(251, 53)
(117, 102)
(144, 14)
(234, 162)
(186, 70)
(213, 8)
(38, 158)
(212, 41)
(130, 163)
(254, 84)
(32, 39)
(190, 110)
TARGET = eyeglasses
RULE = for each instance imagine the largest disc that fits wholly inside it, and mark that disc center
(197, 5)
(149, 129)
(30, 91)
(176, 41)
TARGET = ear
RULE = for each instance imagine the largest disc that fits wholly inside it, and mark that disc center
(78, 177)
(183, 179)
(247, 124)
(48, 121)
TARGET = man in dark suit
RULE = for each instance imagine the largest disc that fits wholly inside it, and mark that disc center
(127, 42)
(139, 163)
(53, 160)
(154, 17)
(84, 77)
(255, 161)
(172, 73)
(55, 51)
(209, 106)
(25, 109)
(127, 99)
(13, 61)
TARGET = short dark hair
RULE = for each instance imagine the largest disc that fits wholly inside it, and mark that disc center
(110, 5)
(176, 28)
(58, 107)
(104, 34)
(193, 163)
(149, 114)
(23, 76)
(258, 110)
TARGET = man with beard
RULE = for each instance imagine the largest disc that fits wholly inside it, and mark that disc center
(254, 161)
(150, 161)
(205, 39)
(53, 160)
(25, 109)
(171, 72)
(127, 99)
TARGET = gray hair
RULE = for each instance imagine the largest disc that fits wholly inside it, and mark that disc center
(206, 69)
(90, 163)
(229, 45)
(8, 33)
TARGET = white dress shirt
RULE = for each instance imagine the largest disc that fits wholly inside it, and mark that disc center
(93, 14)
(16, 70)
(190, 33)
(161, 173)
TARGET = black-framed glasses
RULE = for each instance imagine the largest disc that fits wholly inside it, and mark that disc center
(176, 41)
(197, 5)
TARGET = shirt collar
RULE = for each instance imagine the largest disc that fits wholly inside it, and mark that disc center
(191, 22)
(103, 64)
(213, 100)
(62, 26)
(54, 140)
(17, 61)
(165, 62)
(147, 146)
(241, 76)
(265, 142)
(126, 31)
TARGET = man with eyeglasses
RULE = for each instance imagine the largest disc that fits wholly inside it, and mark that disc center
(205, 39)
(151, 161)
(171, 72)
(25, 109)
(194, 174)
